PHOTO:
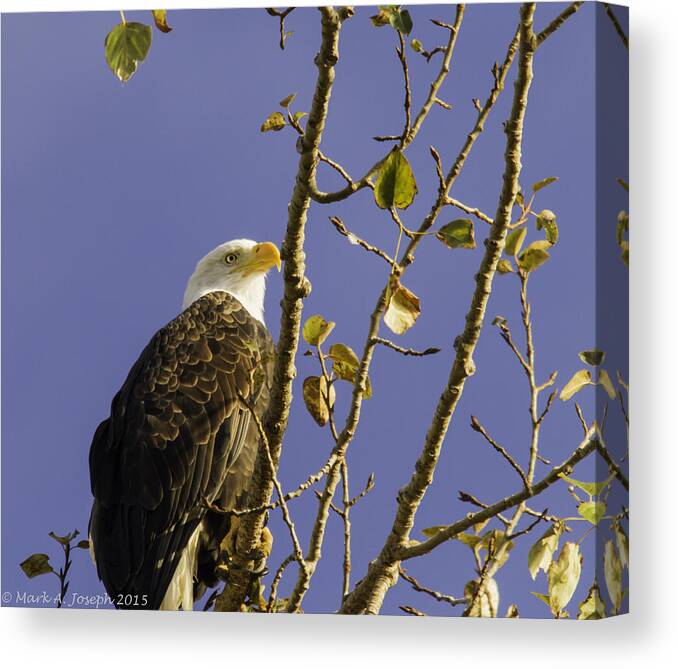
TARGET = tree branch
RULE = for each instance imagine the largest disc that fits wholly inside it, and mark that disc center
(470, 210)
(368, 596)
(475, 424)
(617, 25)
(614, 467)
(296, 289)
(354, 239)
(587, 446)
(557, 22)
(404, 351)
(418, 587)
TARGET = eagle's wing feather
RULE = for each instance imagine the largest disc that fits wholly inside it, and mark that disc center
(176, 430)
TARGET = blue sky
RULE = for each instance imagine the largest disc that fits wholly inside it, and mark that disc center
(111, 193)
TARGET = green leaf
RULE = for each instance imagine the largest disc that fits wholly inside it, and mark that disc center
(316, 329)
(613, 575)
(543, 183)
(345, 365)
(125, 47)
(286, 102)
(432, 531)
(505, 266)
(593, 607)
(578, 381)
(540, 555)
(160, 19)
(593, 357)
(458, 234)
(36, 565)
(275, 122)
(401, 20)
(299, 115)
(315, 393)
(546, 219)
(417, 45)
(403, 309)
(622, 540)
(84, 544)
(395, 186)
(514, 241)
(520, 198)
(484, 605)
(605, 381)
(563, 577)
(623, 184)
(592, 511)
(592, 489)
(533, 256)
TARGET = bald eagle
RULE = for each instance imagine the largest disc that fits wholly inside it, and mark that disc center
(179, 440)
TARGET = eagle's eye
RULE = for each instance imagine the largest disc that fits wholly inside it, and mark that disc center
(230, 258)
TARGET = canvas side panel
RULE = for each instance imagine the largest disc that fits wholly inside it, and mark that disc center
(612, 297)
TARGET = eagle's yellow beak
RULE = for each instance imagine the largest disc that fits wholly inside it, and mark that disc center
(264, 256)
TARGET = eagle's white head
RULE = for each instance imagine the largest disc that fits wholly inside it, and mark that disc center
(238, 267)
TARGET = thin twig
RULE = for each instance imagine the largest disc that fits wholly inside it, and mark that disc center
(335, 166)
(587, 446)
(299, 490)
(404, 351)
(614, 467)
(369, 593)
(470, 210)
(418, 587)
(617, 25)
(298, 554)
(354, 239)
(276, 581)
(558, 21)
(402, 57)
(296, 288)
(411, 611)
(530, 527)
(475, 424)
(281, 17)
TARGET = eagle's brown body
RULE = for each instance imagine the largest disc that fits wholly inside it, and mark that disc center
(177, 436)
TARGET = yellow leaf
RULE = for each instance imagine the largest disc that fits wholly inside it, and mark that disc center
(403, 309)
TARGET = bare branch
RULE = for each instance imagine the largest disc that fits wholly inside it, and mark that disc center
(469, 210)
(438, 81)
(354, 239)
(557, 22)
(614, 467)
(411, 611)
(382, 572)
(335, 166)
(617, 25)
(475, 424)
(281, 17)
(402, 57)
(404, 351)
(418, 587)
(353, 416)
(296, 289)
(530, 527)
(587, 446)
